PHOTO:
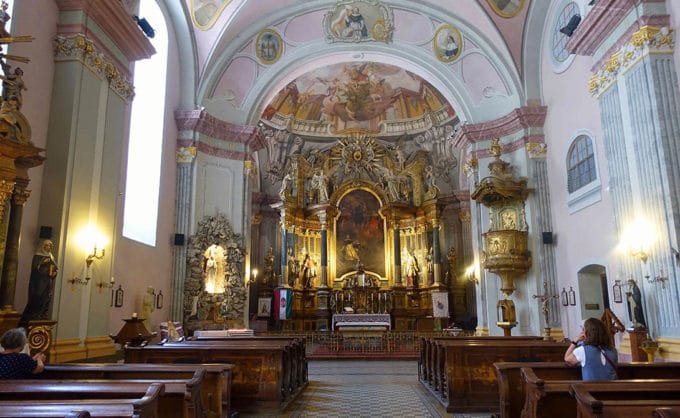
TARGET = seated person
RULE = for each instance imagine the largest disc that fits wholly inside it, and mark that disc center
(14, 363)
(594, 351)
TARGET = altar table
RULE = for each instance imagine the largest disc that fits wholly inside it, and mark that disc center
(361, 321)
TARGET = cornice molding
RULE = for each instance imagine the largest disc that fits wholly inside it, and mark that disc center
(112, 17)
(199, 121)
(648, 40)
(515, 121)
(78, 47)
(602, 21)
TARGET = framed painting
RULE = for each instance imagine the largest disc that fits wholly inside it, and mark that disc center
(269, 46)
(264, 307)
(359, 21)
(447, 43)
(506, 8)
(360, 235)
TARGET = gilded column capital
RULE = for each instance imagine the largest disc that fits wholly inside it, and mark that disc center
(470, 166)
(77, 47)
(185, 155)
(464, 215)
(6, 189)
(536, 150)
(647, 40)
(20, 196)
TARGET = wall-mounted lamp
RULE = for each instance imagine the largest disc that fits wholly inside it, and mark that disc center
(101, 284)
(82, 281)
(640, 253)
(93, 242)
(658, 279)
(470, 274)
(637, 238)
(254, 279)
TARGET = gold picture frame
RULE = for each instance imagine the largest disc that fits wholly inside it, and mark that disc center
(269, 46)
(447, 43)
(506, 8)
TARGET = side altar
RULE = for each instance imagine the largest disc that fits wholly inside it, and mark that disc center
(360, 231)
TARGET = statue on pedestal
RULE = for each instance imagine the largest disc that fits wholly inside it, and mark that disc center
(41, 284)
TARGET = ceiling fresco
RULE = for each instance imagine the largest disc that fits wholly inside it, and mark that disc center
(373, 96)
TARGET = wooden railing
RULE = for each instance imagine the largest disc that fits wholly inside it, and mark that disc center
(361, 341)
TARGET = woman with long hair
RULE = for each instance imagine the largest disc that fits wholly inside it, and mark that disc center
(594, 351)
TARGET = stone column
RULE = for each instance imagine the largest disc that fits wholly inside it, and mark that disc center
(543, 220)
(397, 258)
(11, 260)
(436, 255)
(185, 156)
(637, 88)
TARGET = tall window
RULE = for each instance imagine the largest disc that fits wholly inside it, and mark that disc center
(581, 166)
(146, 135)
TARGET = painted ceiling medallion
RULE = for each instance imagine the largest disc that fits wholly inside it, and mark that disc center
(359, 21)
(269, 46)
(204, 13)
(506, 8)
(447, 43)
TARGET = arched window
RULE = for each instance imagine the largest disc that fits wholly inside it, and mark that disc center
(140, 212)
(581, 164)
(560, 57)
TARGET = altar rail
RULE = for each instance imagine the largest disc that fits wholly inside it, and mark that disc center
(362, 341)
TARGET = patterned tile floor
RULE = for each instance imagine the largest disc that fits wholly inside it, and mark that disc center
(359, 389)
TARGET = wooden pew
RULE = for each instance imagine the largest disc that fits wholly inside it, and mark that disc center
(295, 371)
(624, 398)
(546, 387)
(181, 398)
(144, 407)
(467, 379)
(667, 412)
(215, 390)
(258, 374)
(431, 368)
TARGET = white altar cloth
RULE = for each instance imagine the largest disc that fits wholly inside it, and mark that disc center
(361, 320)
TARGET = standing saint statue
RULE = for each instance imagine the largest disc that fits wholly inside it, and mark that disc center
(320, 184)
(213, 267)
(41, 284)
(411, 268)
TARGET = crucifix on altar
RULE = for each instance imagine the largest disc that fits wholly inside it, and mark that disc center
(545, 298)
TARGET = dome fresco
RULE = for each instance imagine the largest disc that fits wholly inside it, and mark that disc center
(352, 95)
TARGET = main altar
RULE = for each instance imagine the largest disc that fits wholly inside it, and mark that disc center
(360, 234)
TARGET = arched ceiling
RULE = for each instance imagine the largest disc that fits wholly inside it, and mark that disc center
(240, 83)
(357, 95)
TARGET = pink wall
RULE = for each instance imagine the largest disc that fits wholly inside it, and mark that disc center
(38, 76)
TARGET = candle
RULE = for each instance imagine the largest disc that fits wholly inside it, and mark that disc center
(134, 314)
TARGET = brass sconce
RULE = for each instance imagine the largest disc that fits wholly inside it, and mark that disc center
(101, 284)
(471, 276)
(75, 280)
(640, 253)
(83, 281)
(658, 279)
